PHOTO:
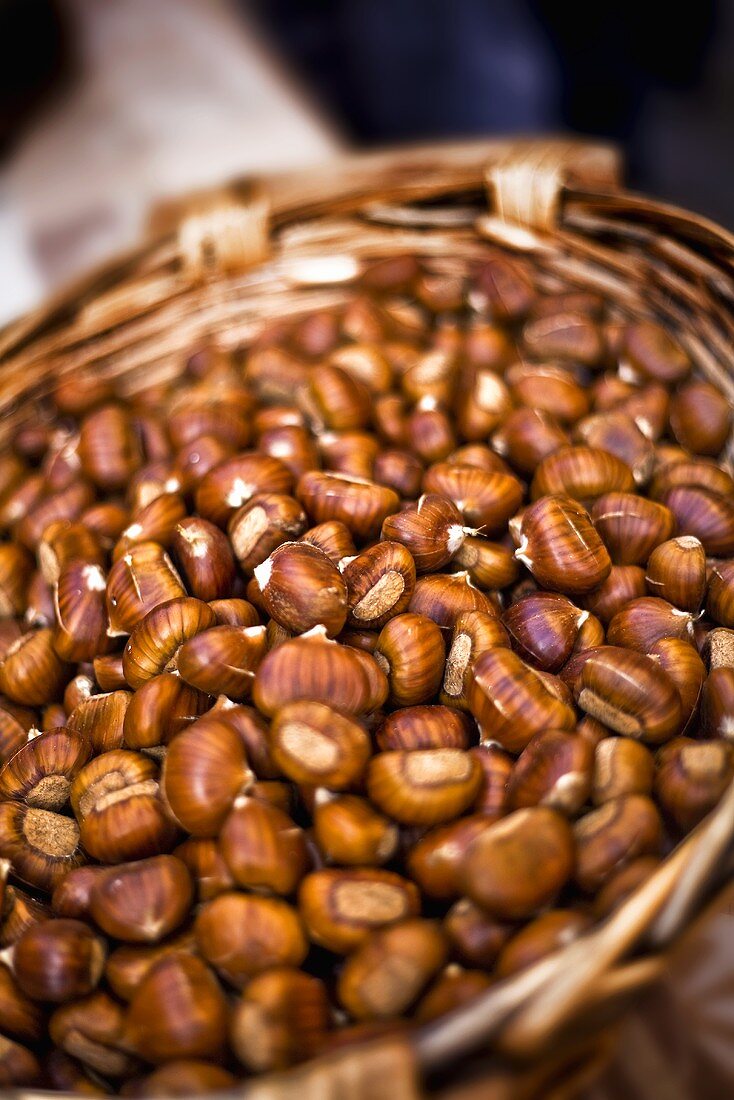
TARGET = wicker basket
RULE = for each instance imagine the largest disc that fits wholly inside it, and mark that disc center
(219, 267)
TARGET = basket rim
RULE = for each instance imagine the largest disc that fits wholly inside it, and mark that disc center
(337, 184)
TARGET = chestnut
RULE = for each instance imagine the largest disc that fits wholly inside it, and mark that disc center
(41, 772)
(31, 671)
(23, 1019)
(223, 660)
(182, 1077)
(116, 800)
(100, 719)
(425, 727)
(58, 960)
(644, 622)
(475, 937)
(333, 537)
(280, 1019)
(485, 499)
(511, 702)
(676, 572)
(554, 769)
(178, 1011)
(679, 659)
(705, 515)
(91, 1029)
(549, 388)
(204, 557)
(153, 521)
(490, 565)
(473, 633)
(613, 835)
(496, 764)
(231, 483)
(411, 653)
(543, 628)
(432, 530)
(161, 708)
(18, 1065)
(205, 768)
(141, 902)
(315, 668)
(108, 447)
(690, 778)
(623, 584)
(260, 526)
(206, 866)
(519, 865)
(452, 988)
(129, 964)
(527, 436)
(543, 935)
(700, 417)
(560, 546)
(380, 583)
(341, 906)
(444, 597)
(618, 432)
(349, 831)
(262, 847)
(361, 505)
(435, 861)
(140, 580)
(154, 643)
(717, 708)
(652, 352)
(301, 588)
(388, 972)
(314, 744)
(241, 935)
(629, 693)
(622, 883)
(621, 766)
(631, 526)
(581, 472)
(423, 786)
(42, 845)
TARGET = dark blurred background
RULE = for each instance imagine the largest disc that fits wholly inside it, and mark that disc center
(655, 76)
(108, 105)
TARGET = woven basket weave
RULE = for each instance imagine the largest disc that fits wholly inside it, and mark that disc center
(219, 267)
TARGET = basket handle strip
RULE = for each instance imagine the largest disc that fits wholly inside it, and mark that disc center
(526, 189)
(220, 234)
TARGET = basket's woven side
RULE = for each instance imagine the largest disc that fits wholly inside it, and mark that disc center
(561, 1076)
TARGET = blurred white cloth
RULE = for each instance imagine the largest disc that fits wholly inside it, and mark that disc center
(21, 283)
(172, 95)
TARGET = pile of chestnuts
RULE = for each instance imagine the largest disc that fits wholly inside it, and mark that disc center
(350, 674)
